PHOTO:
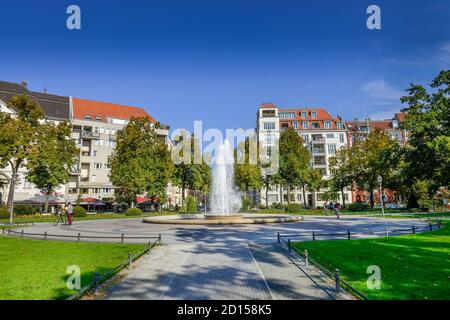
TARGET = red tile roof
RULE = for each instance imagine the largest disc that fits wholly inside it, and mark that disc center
(400, 116)
(83, 107)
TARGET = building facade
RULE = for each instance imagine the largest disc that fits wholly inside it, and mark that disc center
(323, 135)
(94, 128)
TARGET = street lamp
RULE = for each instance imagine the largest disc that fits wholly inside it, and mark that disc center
(380, 181)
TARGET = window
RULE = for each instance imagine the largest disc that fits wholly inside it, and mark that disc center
(305, 138)
(101, 130)
(270, 139)
(313, 114)
(113, 131)
(94, 153)
(330, 135)
(341, 138)
(269, 125)
(97, 166)
(72, 190)
(273, 198)
(287, 115)
(299, 197)
(319, 197)
(27, 184)
(316, 125)
(305, 124)
(107, 131)
(94, 178)
(340, 125)
(88, 117)
(331, 148)
(98, 118)
(295, 123)
(285, 125)
(304, 114)
(327, 124)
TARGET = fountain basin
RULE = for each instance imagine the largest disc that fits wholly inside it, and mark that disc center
(214, 219)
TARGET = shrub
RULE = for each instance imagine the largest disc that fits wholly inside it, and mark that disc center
(277, 206)
(4, 213)
(245, 204)
(357, 206)
(294, 208)
(79, 211)
(191, 204)
(133, 212)
(24, 209)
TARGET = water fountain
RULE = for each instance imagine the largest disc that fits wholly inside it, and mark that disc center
(225, 199)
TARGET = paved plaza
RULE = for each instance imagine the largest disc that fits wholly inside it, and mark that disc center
(223, 262)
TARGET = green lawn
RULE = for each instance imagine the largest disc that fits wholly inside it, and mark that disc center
(412, 266)
(35, 269)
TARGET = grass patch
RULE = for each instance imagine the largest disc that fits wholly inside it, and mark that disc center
(34, 269)
(412, 266)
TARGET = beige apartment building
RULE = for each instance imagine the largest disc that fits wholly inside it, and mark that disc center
(322, 133)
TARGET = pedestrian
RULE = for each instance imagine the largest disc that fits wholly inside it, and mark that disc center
(69, 211)
(337, 205)
(325, 207)
(331, 206)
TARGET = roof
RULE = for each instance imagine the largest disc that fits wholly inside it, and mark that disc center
(84, 107)
(400, 116)
(54, 107)
(322, 114)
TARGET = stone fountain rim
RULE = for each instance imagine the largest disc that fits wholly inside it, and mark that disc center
(198, 219)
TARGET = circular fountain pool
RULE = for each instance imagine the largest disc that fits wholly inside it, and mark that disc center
(211, 219)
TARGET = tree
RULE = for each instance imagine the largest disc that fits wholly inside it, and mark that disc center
(141, 162)
(51, 160)
(342, 176)
(427, 122)
(375, 156)
(191, 171)
(18, 135)
(294, 160)
(247, 171)
(314, 181)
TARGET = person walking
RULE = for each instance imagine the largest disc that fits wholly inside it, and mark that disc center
(331, 206)
(337, 205)
(69, 210)
(325, 208)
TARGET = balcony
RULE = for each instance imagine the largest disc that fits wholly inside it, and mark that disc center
(84, 179)
(90, 135)
(75, 171)
(318, 151)
(318, 140)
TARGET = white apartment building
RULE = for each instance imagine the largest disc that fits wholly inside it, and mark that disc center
(323, 134)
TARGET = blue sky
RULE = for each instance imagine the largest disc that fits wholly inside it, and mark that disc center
(217, 60)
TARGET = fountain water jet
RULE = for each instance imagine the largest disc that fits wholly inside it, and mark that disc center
(225, 199)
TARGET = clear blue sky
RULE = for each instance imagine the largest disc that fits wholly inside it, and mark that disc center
(217, 60)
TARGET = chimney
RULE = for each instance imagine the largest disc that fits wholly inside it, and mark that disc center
(24, 83)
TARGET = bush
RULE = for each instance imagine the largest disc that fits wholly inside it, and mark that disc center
(357, 206)
(294, 208)
(79, 211)
(245, 204)
(133, 212)
(4, 213)
(191, 204)
(277, 206)
(24, 209)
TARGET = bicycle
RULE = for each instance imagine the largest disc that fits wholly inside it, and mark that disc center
(60, 217)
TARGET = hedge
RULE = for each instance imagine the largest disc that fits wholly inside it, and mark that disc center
(357, 206)
(294, 208)
(79, 211)
(24, 209)
(4, 213)
(133, 212)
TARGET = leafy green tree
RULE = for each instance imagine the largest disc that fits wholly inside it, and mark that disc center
(141, 163)
(427, 123)
(375, 156)
(51, 160)
(18, 135)
(247, 171)
(294, 160)
(342, 175)
(192, 171)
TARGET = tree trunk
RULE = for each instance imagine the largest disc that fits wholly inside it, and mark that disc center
(281, 194)
(267, 196)
(372, 200)
(11, 194)
(343, 197)
(289, 194)
(304, 196)
(183, 188)
(47, 195)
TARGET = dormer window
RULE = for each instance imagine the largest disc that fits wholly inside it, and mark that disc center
(327, 124)
(98, 118)
(303, 114)
(88, 117)
(313, 114)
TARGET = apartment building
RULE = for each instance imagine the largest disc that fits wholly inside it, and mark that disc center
(358, 129)
(94, 128)
(322, 133)
(56, 109)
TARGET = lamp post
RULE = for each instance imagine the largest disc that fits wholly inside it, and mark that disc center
(380, 181)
